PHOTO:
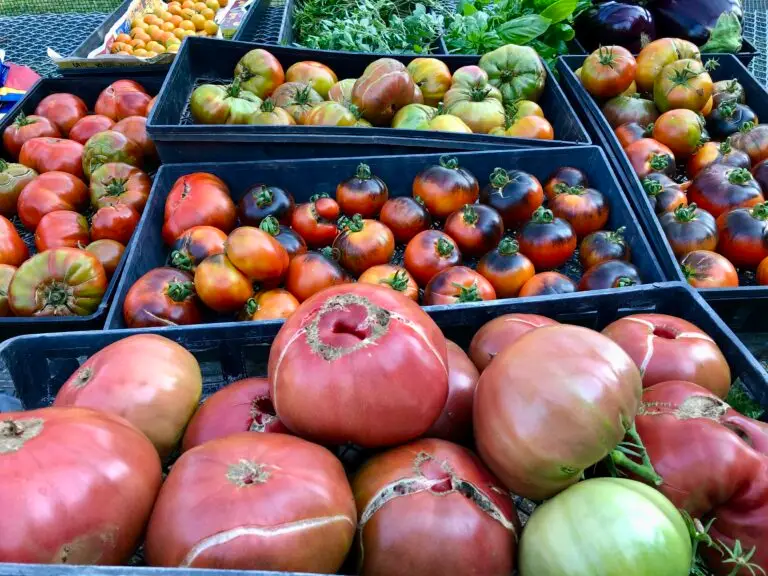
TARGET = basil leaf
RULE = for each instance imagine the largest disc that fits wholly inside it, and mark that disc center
(523, 29)
(560, 10)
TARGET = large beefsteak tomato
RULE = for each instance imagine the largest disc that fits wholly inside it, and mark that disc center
(198, 199)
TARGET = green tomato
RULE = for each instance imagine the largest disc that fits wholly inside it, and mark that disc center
(515, 70)
(211, 104)
(606, 527)
(414, 117)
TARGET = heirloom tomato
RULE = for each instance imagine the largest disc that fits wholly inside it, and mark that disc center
(657, 55)
(290, 240)
(707, 269)
(442, 122)
(517, 71)
(500, 333)
(406, 217)
(515, 194)
(297, 99)
(562, 178)
(585, 209)
(313, 74)
(135, 128)
(257, 254)
(315, 221)
(314, 271)
(13, 251)
(624, 109)
(608, 71)
(717, 153)
(25, 128)
(546, 283)
(89, 126)
(432, 76)
(762, 273)
(476, 228)
(6, 275)
(533, 127)
(122, 99)
(664, 194)
(728, 91)
(269, 115)
(272, 304)
(110, 146)
(53, 154)
(383, 88)
(260, 72)
(682, 84)
(63, 110)
(428, 253)
(680, 130)
(750, 139)
(49, 192)
(62, 228)
(729, 118)
(162, 297)
(261, 200)
(648, 156)
(445, 187)
(631, 132)
(479, 107)
(688, 228)
(198, 199)
(363, 243)
(364, 193)
(332, 114)
(220, 285)
(108, 252)
(393, 276)
(456, 285)
(195, 245)
(116, 222)
(506, 269)
(455, 421)
(212, 104)
(342, 91)
(546, 240)
(610, 274)
(414, 117)
(602, 246)
(118, 183)
(720, 188)
(744, 235)
(13, 179)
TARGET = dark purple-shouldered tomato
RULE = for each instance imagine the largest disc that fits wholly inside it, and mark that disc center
(162, 297)
(585, 209)
(260, 201)
(707, 269)
(689, 228)
(648, 156)
(291, 241)
(602, 246)
(728, 118)
(610, 274)
(195, 245)
(751, 139)
(720, 188)
(546, 240)
(428, 253)
(109, 253)
(364, 193)
(62, 228)
(312, 272)
(220, 285)
(476, 228)
(629, 108)
(630, 132)
(396, 277)
(445, 187)
(363, 243)
(116, 222)
(565, 177)
(315, 221)
(456, 285)
(608, 71)
(760, 173)
(679, 130)
(514, 194)
(728, 90)
(744, 235)
(664, 194)
(406, 217)
(717, 153)
(506, 268)
(547, 283)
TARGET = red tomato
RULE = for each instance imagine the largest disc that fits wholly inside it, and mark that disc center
(273, 304)
(506, 269)
(610, 274)
(500, 333)
(706, 269)
(585, 209)
(546, 240)
(648, 156)
(117, 480)
(261, 201)
(515, 195)
(428, 253)
(6, 275)
(396, 349)
(62, 228)
(602, 246)
(476, 228)
(220, 285)
(608, 71)
(162, 297)
(395, 277)
(13, 251)
(364, 193)
(122, 99)
(456, 285)
(63, 110)
(195, 245)
(257, 255)
(108, 252)
(315, 221)
(115, 222)
(688, 229)
(53, 154)
(669, 348)
(197, 199)
(49, 192)
(719, 189)
(445, 187)
(431, 487)
(254, 502)
(406, 217)
(118, 183)
(25, 128)
(312, 272)
(89, 126)
(547, 283)
(744, 235)
(243, 406)
(151, 381)
(135, 128)
(562, 178)
(363, 244)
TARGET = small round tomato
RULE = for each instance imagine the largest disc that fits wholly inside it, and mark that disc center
(197, 199)
(13, 251)
(195, 245)
(648, 156)
(707, 269)
(260, 201)
(62, 228)
(363, 243)
(750, 139)
(688, 229)
(312, 272)
(631, 132)
(682, 84)
(679, 130)
(548, 283)
(108, 252)
(220, 285)
(744, 235)
(135, 128)
(729, 118)
(506, 269)
(608, 71)
(53, 154)
(162, 297)
(610, 274)
(63, 110)
(456, 285)
(122, 99)
(315, 221)
(89, 126)
(728, 91)
(13, 179)
(717, 153)
(49, 192)
(565, 177)
(516, 195)
(664, 194)
(445, 187)
(363, 194)
(116, 222)
(290, 240)
(602, 246)
(762, 273)
(118, 183)
(406, 217)
(314, 74)
(585, 209)
(476, 228)
(269, 305)
(110, 146)
(720, 188)
(6, 275)
(58, 282)
(257, 255)
(546, 240)
(25, 128)
(428, 253)
(395, 277)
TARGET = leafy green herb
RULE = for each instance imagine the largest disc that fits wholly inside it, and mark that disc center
(725, 36)
(740, 401)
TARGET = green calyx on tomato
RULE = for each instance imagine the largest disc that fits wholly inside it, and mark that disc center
(270, 225)
(469, 214)
(450, 162)
(22, 120)
(606, 56)
(625, 281)
(509, 246)
(543, 216)
(622, 456)
(747, 127)
(725, 147)
(264, 197)
(570, 190)
(499, 178)
(444, 247)
(332, 254)
(652, 187)
(180, 291)
(398, 281)
(55, 294)
(115, 187)
(659, 162)
(739, 176)
(251, 306)
(727, 108)
(315, 197)
(267, 106)
(181, 261)
(467, 293)
(686, 213)
(711, 64)
(617, 235)
(760, 211)
(683, 76)
(354, 224)
(363, 171)
(737, 557)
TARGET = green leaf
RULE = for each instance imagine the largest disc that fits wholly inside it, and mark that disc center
(725, 36)
(559, 11)
(523, 29)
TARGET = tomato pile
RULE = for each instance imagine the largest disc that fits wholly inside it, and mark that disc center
(64, 164)
(445, 438)
(447, 239)
(698, 150)
(498, 96)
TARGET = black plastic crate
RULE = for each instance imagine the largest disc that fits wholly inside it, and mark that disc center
(730, 67)
(745, 314)
(307, 177)
(87, 88)
(214, 60)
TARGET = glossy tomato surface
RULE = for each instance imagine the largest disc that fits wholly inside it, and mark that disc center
(363, 243)
(108, 252)
(122, 99)
(220, 285)
(315, 221)
(664, 194)
(428, 253)
(545, 283)
(608, 71)
(195, 245)
(456, 285)
(744, 235)
(648, 156)
(476, 228)
(198, 199)
(312, 272)
(610, 274)
(272, 304)
(514, 194)
(257, 254)
(13, 179)
(50, 192)
(110, 146)
(546, 240)
(261, 201)
(116, 182)
(585, 209)
(707, 269)
(506, 268)
(501, 332)
(89, 126)
(49, 154)
(135, 128)
(455, 421)
(162, 297)
(62, 228)
(393, 276)
(116, 222)
(564, 177)
(406, 217)
(445, 187)
(6, 275)
(63, 110)
(364, 193)
(720, 188)
(688, 229)
(13, 251)
(602, 246)
(25, 128)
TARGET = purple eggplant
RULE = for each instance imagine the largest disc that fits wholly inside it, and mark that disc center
(615, 23)
(691, 19)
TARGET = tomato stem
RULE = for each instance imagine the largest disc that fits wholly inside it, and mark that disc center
(571, 190)
(444, 247)
(315, 197)
(727, 108)
(264, 197)
(711, 64)
(643, 470)
(180, 291)
(469, 214)
(508, 246)
(624, 282)
(363, 171)
(302, 96)
(739, 176)
(268, 105)
(233, 90)
(397, 281)
(251, 307)
(617, 235)
(467, 293)
(270, 225)
(659, 162)
(686, 213)
(3, 165)
(115, 187)
(606, 57)
(332, 254)
(746, 127)
(652, 187)
(181, 261)
(354, 224)
(725, 147)
(22, 120)
(499, 178)
(760, 211)
(543, 216)
(450, 162)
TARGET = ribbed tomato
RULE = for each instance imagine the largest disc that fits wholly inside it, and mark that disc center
(115, 182)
